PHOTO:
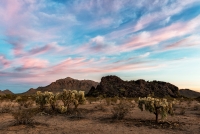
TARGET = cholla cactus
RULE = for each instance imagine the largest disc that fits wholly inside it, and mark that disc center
(42, 98)
(156, 106)
(52, 98)
(72, 97)
(62, 109)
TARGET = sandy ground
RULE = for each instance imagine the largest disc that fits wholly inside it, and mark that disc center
(96, 118)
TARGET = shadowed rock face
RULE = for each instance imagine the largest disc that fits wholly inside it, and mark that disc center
(114, 86)
(67, 83)
(189, 93)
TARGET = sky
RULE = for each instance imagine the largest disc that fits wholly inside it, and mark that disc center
(42, 41)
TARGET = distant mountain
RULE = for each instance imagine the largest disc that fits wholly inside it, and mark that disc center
(5, 92)
(66, 83)
(114, 86)
(189, 93)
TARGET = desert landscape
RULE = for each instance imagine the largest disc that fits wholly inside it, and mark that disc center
(99, 66)
(70, 111)
(96, 117)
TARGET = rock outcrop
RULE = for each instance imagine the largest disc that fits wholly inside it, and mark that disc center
(67, 83)
(189, 93)
(111, 86)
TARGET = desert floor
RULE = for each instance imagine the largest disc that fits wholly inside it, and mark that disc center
(96, 118)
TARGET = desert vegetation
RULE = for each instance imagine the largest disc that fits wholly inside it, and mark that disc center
(157, 106)
(48, 112)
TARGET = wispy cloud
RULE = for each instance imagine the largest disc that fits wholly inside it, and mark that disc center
(4, 63)
(55, 39)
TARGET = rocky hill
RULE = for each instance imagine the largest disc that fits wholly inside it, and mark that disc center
(5, 92)
(67, 83)
(114, 86)
(189, 93)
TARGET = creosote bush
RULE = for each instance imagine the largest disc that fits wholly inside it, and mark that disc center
(24, 116)
(100, 107)
(119, 111)
(156, 106)
(6, 107)
(24, 101)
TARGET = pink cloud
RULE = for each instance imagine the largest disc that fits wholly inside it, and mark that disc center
(190, 41)
(11, 9)
(31, 63)
(75, 67)
(69, 64)
(4, 62)
(145, 39)
(46, 48)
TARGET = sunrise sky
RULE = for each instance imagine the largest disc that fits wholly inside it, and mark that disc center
(45, 40)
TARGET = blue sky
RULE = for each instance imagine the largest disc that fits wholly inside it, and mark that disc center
(45, 40)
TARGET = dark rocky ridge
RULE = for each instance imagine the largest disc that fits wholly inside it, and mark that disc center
(66, 83)
(189, 93)
(4, 92)
(114, 86)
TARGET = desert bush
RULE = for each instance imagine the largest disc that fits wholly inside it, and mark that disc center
(24, 101)
(24, 116)
(6, 107)
(29, 104)
(92, 99)
(100, 107)
(189, 102)
(156, 106)
(108, 101)
(119, 111)
(114, 100)
(100, 98)
(8, 97)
